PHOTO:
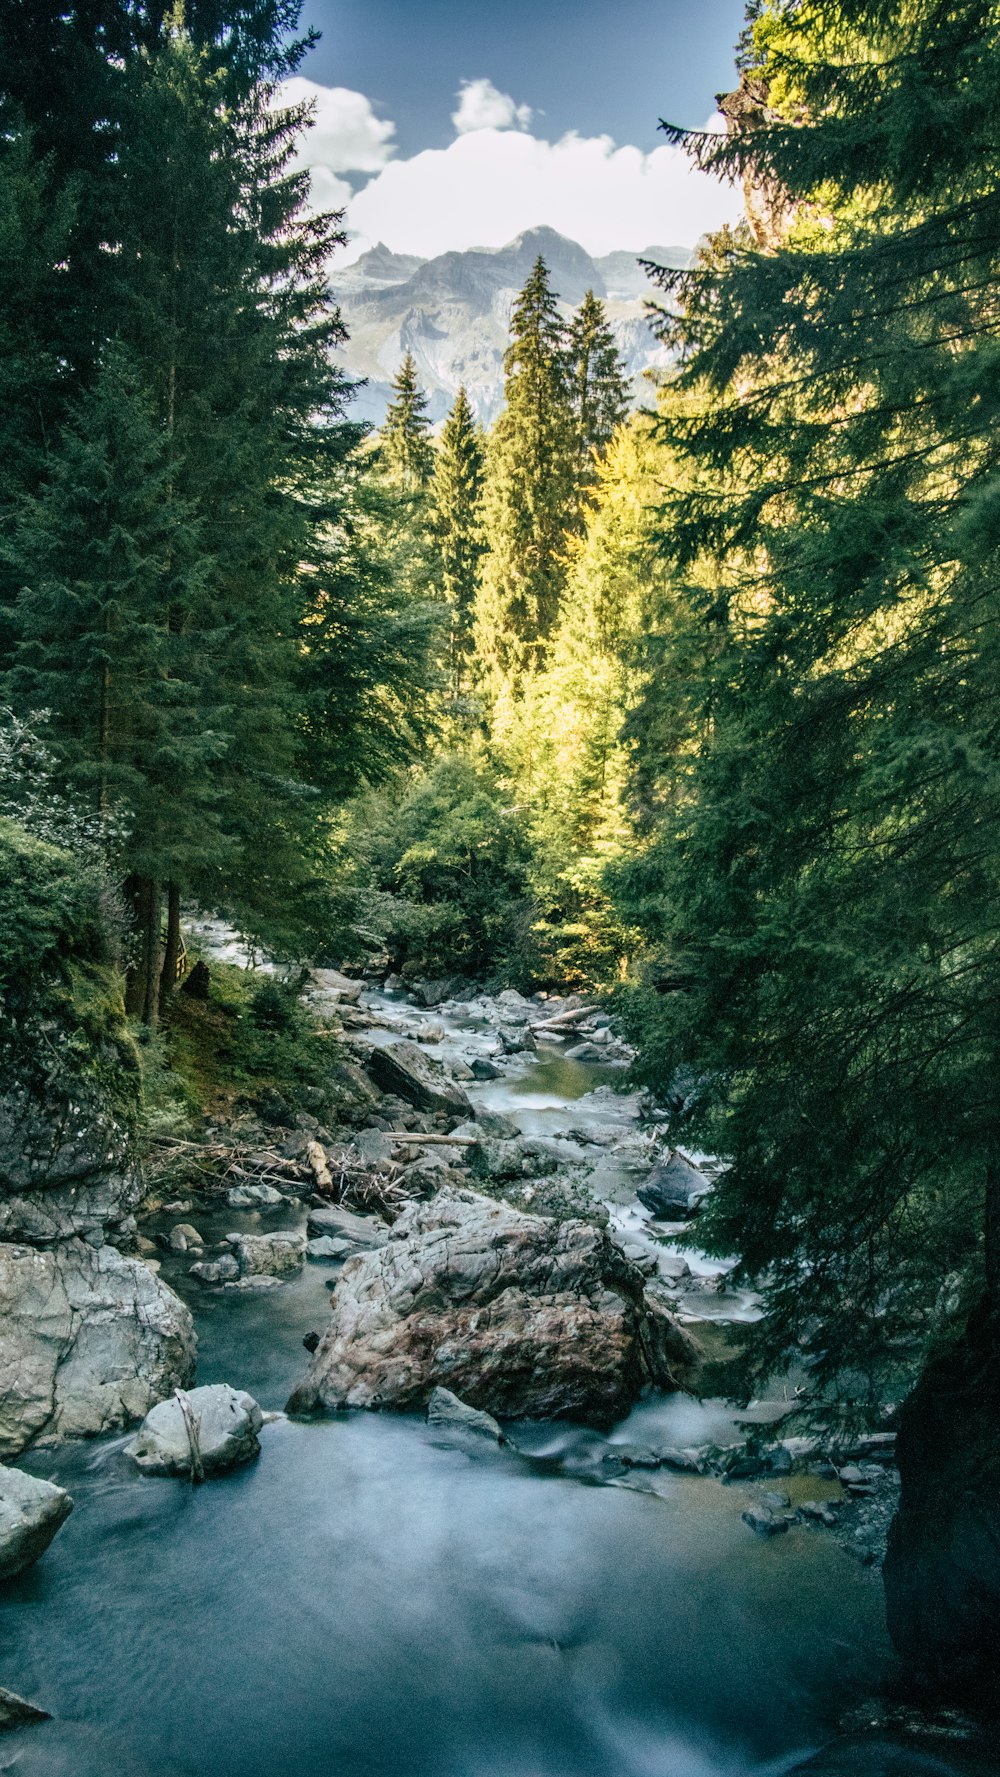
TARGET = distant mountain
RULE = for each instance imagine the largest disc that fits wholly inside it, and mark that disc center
(453, 314)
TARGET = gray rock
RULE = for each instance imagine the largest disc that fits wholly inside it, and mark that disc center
(433, 993)
(16, 1712)
(212, 1429)
(373, 1147)
(632, 1456)
(445, 1412)
(673, 1267)
(184, 1236)
(31, 1512)
(88, 1340)
(254, 1197)
(483, 1069)
(65, 1163)
(674, 1187)
(518, 1315)
(263, 1281)
(268, 1255)
(585, 1052)
(774, 1501)
(492, 1123)
(818, 1511)
(361, 1232)
(765, 1523)
(222, 1270)
(403, 1068)
(523, 1158)
(326, 1246)
(340, 989)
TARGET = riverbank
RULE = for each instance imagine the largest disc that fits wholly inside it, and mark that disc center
(371, 1597)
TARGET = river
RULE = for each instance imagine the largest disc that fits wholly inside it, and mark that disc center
(365, 1601)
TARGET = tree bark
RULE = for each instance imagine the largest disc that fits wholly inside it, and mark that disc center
(172, 949)
(142, 991)
(991, 1230)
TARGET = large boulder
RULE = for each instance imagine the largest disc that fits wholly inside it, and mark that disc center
(674, 1188)
(942, 1566)
(519, 1315)
(404, 1069)
(89, 1340)
(331, 1220)
(206, 1432)
(31, 1512)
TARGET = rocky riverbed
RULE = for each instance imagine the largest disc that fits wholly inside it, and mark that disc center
(612, 1582)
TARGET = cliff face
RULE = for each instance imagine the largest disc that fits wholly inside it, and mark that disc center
(453, 314)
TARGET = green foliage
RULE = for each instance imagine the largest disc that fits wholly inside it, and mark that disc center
(62, 1014)
(405, 447)
(530, 497)
(598, 383)
(456, 496)
(447, 861)
(820, 890)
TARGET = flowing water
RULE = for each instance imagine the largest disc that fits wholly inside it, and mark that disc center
(365, 1601)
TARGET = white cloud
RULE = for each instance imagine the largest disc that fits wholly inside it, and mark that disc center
(482, 106)
(346, 137)
(492, 184)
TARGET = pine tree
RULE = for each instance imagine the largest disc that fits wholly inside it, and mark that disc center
(598, 381)
(406, 448)
(216, 293)
(823, 885)
(529, 503)
(456, 496)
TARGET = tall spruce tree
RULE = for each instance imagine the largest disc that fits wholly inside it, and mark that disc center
(598, 381)
(529, 502)
(456, 497)
(824, 884)
(407, 451)
(216, 293)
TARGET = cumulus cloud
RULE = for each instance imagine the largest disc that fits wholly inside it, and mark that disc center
(491, 184)
(482, 106)
(346, 137)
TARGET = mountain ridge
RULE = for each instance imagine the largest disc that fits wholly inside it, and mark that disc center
(452, 311)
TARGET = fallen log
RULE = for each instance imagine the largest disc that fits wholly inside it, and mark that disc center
(563, 1019)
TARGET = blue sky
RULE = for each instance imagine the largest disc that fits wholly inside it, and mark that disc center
(444, 125)
(595, 66)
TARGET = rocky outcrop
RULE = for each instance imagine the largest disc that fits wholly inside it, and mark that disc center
(31, 1512)
(89, 1340)
(519, 1315)
(64, 1164)
(404, 1069)
(942, 1566)
(206, 1432)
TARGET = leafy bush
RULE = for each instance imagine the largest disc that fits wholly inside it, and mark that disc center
(448, 862)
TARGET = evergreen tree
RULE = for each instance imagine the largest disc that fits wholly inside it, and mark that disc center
(598, 381)
(216, 291)
(407, 451)
(530, 497)
(456, 495)
(823, 884)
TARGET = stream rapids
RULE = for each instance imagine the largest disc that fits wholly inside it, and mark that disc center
(366, 1601)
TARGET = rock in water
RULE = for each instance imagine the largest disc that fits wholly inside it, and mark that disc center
(404, 1069)
(268, 1255)
(942, 1566)
(16, 1712)
(31, 1512)
(674, 1187)
(343, 1224)
(445, 1412)
(213, 1428)
(520, 1315)
(89, 1340)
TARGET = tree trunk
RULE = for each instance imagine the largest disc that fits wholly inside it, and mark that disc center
(142, 992)
(172, 949)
